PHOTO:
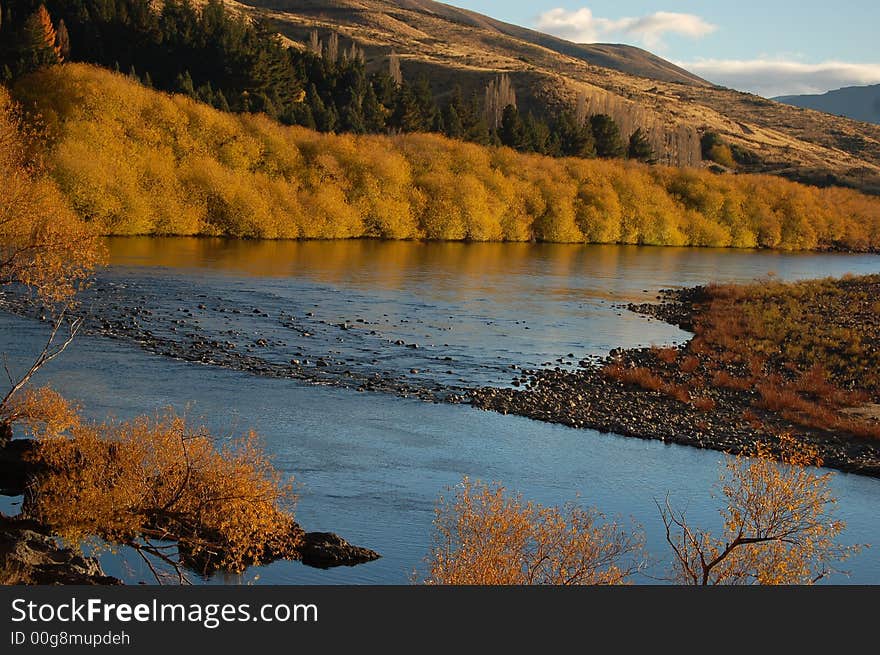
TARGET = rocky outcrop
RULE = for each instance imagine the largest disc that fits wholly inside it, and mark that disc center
(29, 555)
(326, 550)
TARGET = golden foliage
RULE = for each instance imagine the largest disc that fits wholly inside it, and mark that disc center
(135, 161)
(483, 536)
(43, 244)
(42, 412)
(778, 524)
(158, 478)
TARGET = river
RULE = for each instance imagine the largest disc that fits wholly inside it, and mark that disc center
(370, 465)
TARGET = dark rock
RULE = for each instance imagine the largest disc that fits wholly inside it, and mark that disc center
(324, 550)
(30, 555)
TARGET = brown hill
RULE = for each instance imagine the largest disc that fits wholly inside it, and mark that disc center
(456, 46)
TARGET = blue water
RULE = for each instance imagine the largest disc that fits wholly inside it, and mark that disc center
(370, 466)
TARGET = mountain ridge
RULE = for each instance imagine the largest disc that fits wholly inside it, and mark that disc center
(861, 103)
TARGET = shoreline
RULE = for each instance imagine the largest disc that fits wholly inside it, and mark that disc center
(832, 249)
(589, 398)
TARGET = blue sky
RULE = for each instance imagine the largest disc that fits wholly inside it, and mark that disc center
(770, 47)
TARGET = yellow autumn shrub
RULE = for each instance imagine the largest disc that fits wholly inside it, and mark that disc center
(135, 161)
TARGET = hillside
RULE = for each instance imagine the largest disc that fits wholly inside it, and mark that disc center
(637, 88)
(132, 160)
(861, 103)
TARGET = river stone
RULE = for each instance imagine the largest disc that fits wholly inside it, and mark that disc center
(31, 556)
(326, 550)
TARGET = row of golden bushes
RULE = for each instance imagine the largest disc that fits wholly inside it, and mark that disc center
(135, 161)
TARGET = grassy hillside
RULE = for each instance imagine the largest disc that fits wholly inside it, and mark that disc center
(453, 45)
(135, 161)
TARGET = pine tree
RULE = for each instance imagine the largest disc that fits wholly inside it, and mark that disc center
(184, 84)
(220, 101)
(512, 132)
(640, 148)
(407, 115)
(609, 144)
(575, 139)
(373, 112)
(352, 118)
(537, 135)
(452, 125)
(424, 100)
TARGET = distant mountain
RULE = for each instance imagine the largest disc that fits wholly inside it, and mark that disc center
(861, 103)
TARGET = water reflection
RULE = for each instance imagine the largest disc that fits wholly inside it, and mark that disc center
(599, 271)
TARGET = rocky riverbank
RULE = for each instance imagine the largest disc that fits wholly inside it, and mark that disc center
(650, 394)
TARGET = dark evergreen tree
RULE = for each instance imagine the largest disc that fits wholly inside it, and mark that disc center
(511, 132)
(537, 135)
(609, 143)
(575, 139)
(373, 111)
(352, 118)
(407, 114)
(639, 147)
(452, 125)
(184, 84)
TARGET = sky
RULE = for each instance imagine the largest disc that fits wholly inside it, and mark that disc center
(768, 47)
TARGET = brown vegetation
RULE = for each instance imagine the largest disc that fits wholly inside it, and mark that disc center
(779, 529)
(778, 524)
(484, 536)
(154, 480)
(44, 245)
(806, 353)
(189, 169)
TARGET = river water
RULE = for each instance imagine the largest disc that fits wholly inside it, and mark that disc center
(370, 465)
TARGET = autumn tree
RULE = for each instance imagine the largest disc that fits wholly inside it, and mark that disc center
(394, 70)
(63, 41)
(44, 247)
(779, 527)
(485, 536)
(153, 480)
(499, 95)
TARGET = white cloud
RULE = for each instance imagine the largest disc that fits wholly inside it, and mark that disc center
(777, 77)
(582, 26)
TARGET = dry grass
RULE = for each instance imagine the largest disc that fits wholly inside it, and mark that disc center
(665, 355)
(689, 364)
(705, 404)
(808, 350)
(638, 376)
